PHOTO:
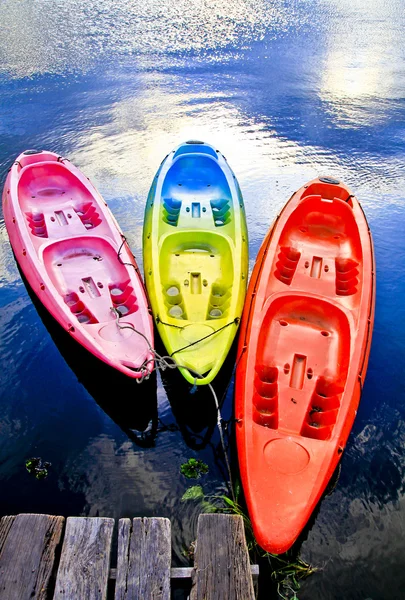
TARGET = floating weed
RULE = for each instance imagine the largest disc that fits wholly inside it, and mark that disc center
(194, 468)
(288, 572)
(36, 467)
(195, 492)
(41, 473)
(208, 507)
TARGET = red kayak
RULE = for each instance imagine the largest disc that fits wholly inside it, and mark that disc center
(75, 258)
(303, 353)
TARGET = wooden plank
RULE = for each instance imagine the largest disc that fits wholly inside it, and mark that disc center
(222, 569)
(28, 555)
(5, 524)
(144, 558)
(85, 559)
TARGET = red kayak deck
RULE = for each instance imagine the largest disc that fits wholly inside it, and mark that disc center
(74, 256)
(304, 346)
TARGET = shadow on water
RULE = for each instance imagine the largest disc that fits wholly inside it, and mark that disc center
(194, 406)
(132, 406)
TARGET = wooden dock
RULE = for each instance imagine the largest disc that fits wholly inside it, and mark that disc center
(44, 558)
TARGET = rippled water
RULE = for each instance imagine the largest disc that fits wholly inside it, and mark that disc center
(287, 90)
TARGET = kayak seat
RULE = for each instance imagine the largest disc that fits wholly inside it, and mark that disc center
(265, 396)
(47, 186)
(286, 265)
(322, 223)
(196, 275)
(323, 409)
(171, 211)
(304, 335)
(87, 266)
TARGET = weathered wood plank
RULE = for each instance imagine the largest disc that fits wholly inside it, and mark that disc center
(5, 524)
(85, 559)
(222, 569)
(144, 558)
(27, 555)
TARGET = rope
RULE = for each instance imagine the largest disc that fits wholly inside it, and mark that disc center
(233, 373)
(234, 322)
(159, 320)
(167, 362)
(135, 266)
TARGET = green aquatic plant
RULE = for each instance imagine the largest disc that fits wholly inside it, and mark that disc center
(288, 572)
(194, 468)
(195, 492)
(35, 466)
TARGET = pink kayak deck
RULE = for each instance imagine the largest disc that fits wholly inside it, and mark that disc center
(66, 242)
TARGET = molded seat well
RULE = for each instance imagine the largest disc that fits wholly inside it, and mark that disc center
(196, 272)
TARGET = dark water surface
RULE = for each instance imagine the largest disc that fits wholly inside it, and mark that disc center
(286, 90)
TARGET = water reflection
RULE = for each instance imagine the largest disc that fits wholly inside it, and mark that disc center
(132, 406)
(358, 81)
(52, 38)
(194, 407)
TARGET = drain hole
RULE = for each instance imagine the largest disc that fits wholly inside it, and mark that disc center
(283, 323)
(325, 333)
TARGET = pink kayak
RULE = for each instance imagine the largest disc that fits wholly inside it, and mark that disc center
(75, 258)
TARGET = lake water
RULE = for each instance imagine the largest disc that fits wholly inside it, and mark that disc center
(286, 90)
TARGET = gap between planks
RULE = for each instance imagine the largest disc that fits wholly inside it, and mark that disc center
(186, 572)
